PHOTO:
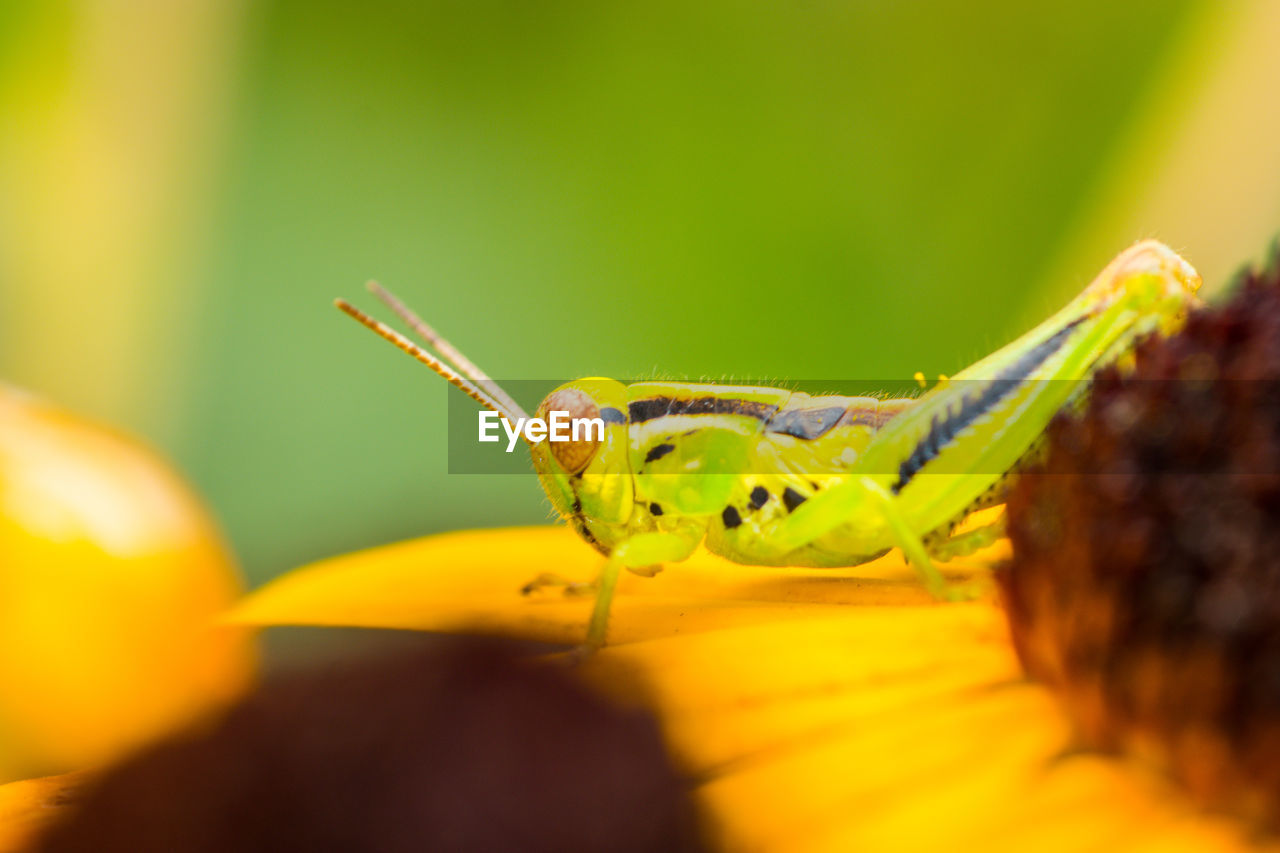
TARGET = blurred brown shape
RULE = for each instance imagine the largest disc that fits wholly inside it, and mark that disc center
(1145, 581)
(457, 745)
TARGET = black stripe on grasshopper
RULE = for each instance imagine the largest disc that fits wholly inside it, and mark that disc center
(943, 431)
(660, 407)
(804, 424)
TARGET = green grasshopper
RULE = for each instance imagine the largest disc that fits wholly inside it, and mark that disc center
(768, 476)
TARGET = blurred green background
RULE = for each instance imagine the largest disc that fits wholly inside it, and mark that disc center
(845, 190)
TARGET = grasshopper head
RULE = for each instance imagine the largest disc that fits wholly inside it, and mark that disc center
(588, 478)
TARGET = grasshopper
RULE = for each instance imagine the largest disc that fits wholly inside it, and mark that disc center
(768, 476)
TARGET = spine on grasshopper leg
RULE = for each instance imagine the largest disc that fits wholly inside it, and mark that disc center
(981, 423)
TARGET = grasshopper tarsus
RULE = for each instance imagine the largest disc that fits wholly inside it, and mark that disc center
(549, 579)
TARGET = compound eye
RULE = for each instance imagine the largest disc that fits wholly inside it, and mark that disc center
(573, 456)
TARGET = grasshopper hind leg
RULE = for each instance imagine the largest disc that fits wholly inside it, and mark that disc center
(913, 547)
(826, 511)
(951, 547)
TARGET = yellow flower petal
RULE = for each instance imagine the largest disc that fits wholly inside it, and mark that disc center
(732, 696)
(893, 729)
(471, 581)
(819, 709)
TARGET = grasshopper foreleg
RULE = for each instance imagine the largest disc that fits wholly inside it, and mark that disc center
(641, 550)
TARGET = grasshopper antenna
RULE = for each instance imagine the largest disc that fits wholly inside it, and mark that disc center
(450, 374)
(446, 350)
